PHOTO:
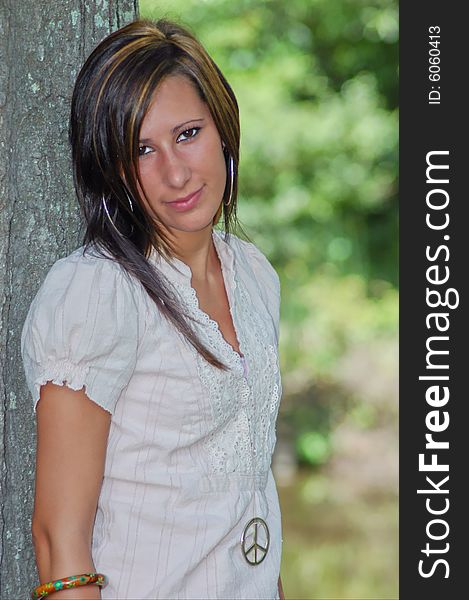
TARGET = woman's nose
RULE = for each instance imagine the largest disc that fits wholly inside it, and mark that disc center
(176, 170)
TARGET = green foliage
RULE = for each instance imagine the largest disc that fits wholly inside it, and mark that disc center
(338, 546)
(313, 448)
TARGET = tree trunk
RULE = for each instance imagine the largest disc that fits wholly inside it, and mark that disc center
(43, 43)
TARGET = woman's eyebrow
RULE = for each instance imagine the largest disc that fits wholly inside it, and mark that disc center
(174, 129)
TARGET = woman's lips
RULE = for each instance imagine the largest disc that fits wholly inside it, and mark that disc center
(182, 205)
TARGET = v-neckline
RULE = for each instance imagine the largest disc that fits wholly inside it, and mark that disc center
(230, 300)
(184, 276)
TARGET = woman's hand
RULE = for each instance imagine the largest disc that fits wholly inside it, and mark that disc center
(72, 434)
(280, 589)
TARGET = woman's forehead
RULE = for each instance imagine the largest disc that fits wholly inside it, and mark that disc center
(175, 102)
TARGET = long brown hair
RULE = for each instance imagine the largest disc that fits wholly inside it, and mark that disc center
(112, 94)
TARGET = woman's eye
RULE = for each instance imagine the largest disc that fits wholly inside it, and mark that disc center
(142, 150)
(188, 131)
(188, 134)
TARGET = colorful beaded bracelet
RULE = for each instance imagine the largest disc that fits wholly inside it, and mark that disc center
(68, 582)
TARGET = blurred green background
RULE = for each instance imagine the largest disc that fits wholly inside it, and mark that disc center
(317, 86)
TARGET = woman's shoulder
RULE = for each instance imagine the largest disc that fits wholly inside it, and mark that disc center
(87, 289)
(85, 259)
(85, 268)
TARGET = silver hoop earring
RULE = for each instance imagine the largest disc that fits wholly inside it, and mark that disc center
(231, 181)
(109, 216)
(130, 200)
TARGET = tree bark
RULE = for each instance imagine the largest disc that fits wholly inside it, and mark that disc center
(43, 44)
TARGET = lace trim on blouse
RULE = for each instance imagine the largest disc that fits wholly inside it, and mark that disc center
(246, 430)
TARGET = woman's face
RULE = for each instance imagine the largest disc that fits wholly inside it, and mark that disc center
(181, 153)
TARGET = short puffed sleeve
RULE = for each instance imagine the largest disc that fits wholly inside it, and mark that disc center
(82, 330)
(267, 280)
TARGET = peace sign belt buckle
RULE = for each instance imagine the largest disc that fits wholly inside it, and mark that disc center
(255, 541)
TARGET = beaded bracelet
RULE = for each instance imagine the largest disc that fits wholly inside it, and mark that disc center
(68, 582)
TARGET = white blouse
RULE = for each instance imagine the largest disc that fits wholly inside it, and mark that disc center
(188, 460)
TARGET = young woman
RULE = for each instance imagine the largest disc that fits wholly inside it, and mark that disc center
(151, 352)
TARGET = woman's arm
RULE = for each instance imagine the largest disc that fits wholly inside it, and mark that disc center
(72, 434)
(280, 589)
